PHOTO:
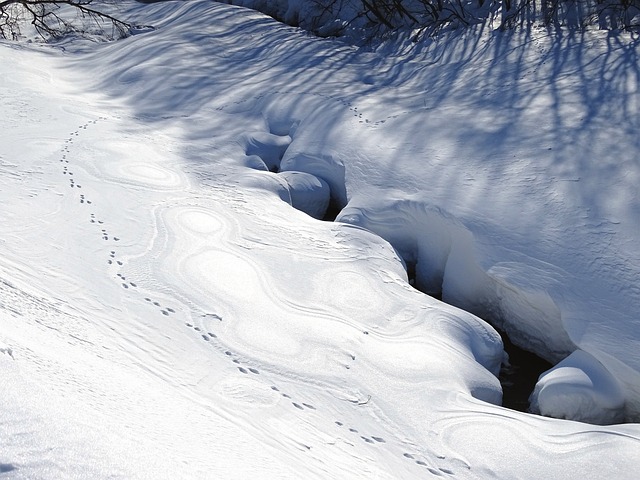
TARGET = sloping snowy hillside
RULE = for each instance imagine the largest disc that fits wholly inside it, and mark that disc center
(166, 313)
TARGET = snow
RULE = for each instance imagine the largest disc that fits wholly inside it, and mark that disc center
(579, 388)
(309, 193)
(166, 313)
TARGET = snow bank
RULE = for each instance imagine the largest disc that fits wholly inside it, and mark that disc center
(266, 181)
(470, 178)
(308, 193)
(579, 388)
(331, 17)
(326, 167)
(269, 147)
(447, 259)
(324, 18)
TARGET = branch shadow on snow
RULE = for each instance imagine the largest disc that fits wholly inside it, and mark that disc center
(221, 60)
(539, 98)
(198, 66)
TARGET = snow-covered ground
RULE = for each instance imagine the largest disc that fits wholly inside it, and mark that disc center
(166, 313)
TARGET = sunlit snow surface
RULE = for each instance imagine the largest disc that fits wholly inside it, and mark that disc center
(165, 313)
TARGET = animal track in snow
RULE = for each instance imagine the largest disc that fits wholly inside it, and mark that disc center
(84, 200)
(245, 368)
(241, 365)
(416, 459)
(204, 326)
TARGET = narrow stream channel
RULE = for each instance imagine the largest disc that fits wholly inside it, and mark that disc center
(519, 378)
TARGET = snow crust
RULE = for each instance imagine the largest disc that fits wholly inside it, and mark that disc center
(166, 313)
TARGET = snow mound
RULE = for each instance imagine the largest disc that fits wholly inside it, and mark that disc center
(325, 166)
(269, 147)
(308, 192)
(579, 388)
(266, 181)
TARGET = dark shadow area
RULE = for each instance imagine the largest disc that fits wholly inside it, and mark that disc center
(7, 467)
(332, 212)
(519, 377)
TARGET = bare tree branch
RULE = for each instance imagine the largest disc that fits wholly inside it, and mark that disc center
(49, 18)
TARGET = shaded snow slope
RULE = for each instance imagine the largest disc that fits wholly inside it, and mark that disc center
(165, 313)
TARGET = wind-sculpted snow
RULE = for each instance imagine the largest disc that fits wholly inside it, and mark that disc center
(325, 167)
(448, 262)
(309, 193)
(262, 303)
(165, 312)
(579, 388)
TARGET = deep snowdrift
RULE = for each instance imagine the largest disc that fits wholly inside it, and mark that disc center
(167, 314)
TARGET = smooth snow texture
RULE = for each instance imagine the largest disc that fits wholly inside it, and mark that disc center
(166, 313)
(579, 388)
(309, 193)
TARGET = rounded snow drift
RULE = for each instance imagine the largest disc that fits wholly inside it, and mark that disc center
(325, 166)
(269, 147)
(255, 162)
(265, 181)
(579, 388)
(309, 193)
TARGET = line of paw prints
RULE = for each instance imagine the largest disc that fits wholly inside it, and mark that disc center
(244, 368)
(416, 458)
(437, 471)
(371, 439)
(356, 112)
(73, 184)
(68, 143)
(112, 259)
(164, 310)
